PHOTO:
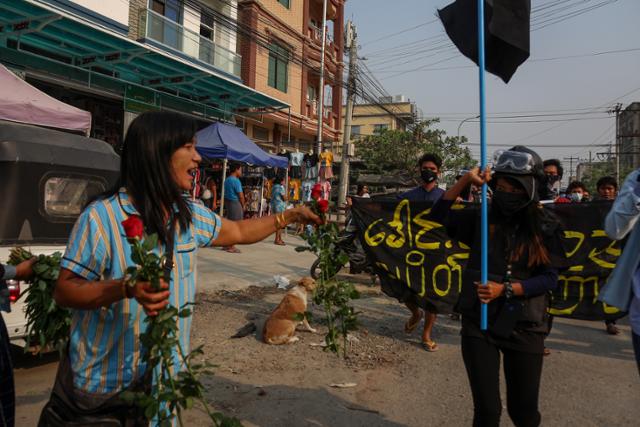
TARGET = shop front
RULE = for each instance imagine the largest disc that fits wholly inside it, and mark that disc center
(102, 71)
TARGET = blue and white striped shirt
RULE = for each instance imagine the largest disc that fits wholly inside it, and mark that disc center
(105, 346)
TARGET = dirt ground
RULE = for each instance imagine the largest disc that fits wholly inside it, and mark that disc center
(590, 379)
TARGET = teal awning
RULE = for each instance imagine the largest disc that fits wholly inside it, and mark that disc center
(36, 34)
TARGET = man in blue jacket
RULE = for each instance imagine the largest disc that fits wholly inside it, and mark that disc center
(623, 286)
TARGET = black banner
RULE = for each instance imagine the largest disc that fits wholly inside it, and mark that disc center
(415, 257)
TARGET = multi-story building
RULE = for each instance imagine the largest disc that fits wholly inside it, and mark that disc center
(392, 113)
(630, 136)
(118, 58)
(281, 58)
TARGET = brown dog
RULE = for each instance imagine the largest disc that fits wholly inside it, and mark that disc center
(281, 325)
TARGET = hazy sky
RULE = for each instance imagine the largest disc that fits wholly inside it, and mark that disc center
(544, 87)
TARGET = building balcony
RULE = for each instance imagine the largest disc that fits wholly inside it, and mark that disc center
(330, 117)
(315, 34)
(157, 28)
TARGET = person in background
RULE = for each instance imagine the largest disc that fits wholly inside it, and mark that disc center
(212, 200)
(429, 165)
(428, 191)
(363, 191)
(278, 204)
(576, 192)
(234, 201)
(553, 171)
(607, 187)
(22, 271)
(623, 285)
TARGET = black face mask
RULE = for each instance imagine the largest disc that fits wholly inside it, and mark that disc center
(552, 179)
(428, 175)
(509, 203)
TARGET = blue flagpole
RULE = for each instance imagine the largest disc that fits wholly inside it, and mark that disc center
(484, 235)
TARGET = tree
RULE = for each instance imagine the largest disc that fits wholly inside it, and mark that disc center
(599, 170)
(390, 151)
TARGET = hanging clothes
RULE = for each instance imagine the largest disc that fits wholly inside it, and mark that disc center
(269, 173)
(326, 163)
(254, 200)
(326, 189)
(310, 164)
(296, 164)
(294, 190)
(268, 185)
(307, 186)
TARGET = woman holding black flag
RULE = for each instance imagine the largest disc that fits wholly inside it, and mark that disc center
(525, 253)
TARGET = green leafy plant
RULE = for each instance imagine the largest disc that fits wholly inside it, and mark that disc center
(334, 295)
(48, 324)
(174, 388)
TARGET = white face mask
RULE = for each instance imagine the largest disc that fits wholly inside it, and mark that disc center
(575, 197)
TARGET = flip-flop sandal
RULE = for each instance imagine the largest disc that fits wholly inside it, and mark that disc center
(233, 250)
(430, 346)
(410, 327)
(612, 329)
(280, 243)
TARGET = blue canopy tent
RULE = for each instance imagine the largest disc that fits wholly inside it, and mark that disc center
(225, 141)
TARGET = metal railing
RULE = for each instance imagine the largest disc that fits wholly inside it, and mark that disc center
(156, 27)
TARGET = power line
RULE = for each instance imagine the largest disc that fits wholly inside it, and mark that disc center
(556, 58)
(387, 36)
(561, 124)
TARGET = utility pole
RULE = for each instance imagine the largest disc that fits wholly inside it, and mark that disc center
(571, 159)
(617, 109)
(318, 148)
(351, 43)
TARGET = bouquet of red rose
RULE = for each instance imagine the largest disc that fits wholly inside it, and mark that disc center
(169, 394)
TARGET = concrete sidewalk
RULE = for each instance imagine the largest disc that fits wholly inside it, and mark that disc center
(254, 266)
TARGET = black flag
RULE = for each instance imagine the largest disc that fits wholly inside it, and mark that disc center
(506, 25)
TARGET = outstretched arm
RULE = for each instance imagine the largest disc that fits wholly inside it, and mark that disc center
(256, 229)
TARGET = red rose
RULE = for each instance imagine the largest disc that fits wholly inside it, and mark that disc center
(316, 192)
(133, 227)
(562, 200)
(323, 206)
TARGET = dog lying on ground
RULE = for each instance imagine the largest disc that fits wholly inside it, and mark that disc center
(281, 325)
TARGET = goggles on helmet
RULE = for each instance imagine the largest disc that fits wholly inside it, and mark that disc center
(515, 162)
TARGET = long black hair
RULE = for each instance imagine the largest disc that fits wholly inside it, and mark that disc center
(146, 171)
(530, 226)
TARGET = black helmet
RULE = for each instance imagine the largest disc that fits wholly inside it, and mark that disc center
(523, 165)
